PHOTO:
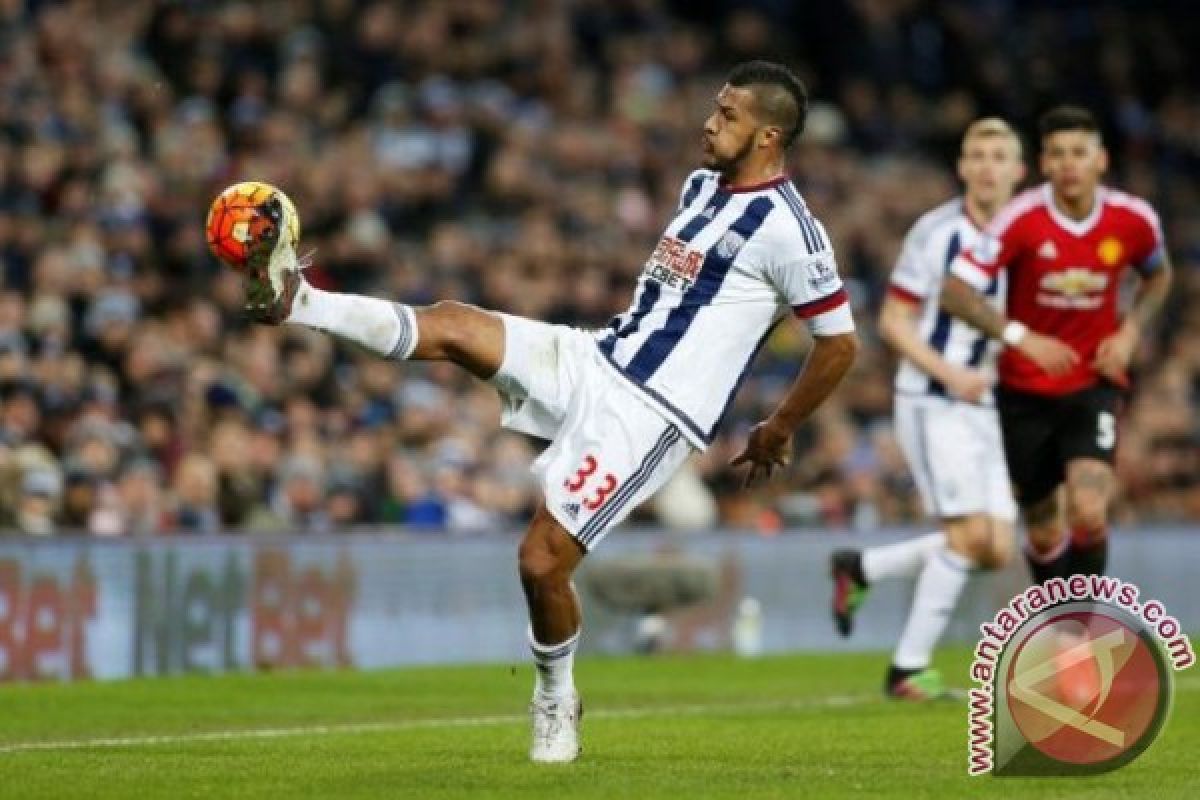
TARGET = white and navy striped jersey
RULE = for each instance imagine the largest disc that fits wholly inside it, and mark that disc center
(929, 250)
(730, 264)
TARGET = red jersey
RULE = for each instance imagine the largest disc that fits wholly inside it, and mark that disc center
(1063, 275)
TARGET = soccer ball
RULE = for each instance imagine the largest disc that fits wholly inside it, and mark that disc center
(239, 216)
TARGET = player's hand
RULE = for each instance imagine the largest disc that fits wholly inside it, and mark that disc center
(1114, 354)
(768, 446)
(966, 384)
(1053, 355)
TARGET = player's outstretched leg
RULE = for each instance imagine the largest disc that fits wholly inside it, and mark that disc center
(854, 571)
(975, 541)
(548, 556)
(276, 292)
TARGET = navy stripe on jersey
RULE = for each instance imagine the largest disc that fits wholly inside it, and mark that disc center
(651, 290)
(814, 239)
(706, 215)
(594, 526)
(693, 189)
(807, 219)
(717, 261)
(741, 379)
(941, 327)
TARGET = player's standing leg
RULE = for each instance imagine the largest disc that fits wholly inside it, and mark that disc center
(1089, 491)
(474, 339)
(941, 563)
(1045, 540)
(548, 557)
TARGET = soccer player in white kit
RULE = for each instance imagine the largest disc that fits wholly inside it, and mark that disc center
(625, 406)
(945, 418)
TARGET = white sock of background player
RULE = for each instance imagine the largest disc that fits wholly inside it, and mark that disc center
(941, 582)
(902, 559)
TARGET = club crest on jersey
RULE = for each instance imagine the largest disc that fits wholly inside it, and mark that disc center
(729, 244)
(674, 264)
(1048, 250)
(1110, 251)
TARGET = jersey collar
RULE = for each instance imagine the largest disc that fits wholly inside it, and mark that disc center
(1077, 227)
(755, 187)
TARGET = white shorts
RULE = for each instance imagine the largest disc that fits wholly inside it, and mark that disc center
(609, 451)
(956, 455)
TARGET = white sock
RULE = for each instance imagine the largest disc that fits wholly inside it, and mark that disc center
(389, 329)
(555, 668)
(941, 582)
(902, 559)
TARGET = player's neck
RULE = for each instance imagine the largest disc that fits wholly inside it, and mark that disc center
(753, 175)
(1076, 208)
(978, 212)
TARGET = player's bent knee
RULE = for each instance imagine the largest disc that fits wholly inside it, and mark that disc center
(999, 550)
(537, 564)
(971, 537)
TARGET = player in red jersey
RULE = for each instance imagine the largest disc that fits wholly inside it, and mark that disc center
(1066, 245)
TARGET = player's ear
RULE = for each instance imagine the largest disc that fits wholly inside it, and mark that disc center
(1103, 159)
(769, 135)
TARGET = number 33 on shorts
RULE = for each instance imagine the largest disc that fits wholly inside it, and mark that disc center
(596, 488)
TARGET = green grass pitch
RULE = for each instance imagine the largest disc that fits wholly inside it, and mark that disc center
(807, 726)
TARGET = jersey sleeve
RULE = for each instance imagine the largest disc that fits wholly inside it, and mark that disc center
(995, 249)
(813, 288)
(1152, 252)
(912, 280)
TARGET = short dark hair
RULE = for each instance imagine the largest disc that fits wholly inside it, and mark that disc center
(781, 96)
(1068, 118)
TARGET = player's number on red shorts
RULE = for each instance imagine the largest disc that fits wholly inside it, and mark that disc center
(1106, 430)
(600, 493)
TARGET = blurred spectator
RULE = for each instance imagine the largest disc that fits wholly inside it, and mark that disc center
(520, 156)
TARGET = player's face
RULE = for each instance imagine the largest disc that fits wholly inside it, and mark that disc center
(1073, 161)
(730, 131)
(990, 168)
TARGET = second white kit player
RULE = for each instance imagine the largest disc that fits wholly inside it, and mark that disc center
(945, 420)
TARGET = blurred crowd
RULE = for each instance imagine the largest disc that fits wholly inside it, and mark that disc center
(519, 155)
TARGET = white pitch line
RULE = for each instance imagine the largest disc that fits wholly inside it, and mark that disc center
(837, 701)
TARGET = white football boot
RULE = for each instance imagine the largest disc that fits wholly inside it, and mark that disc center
(556, 729)
(272, 269)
